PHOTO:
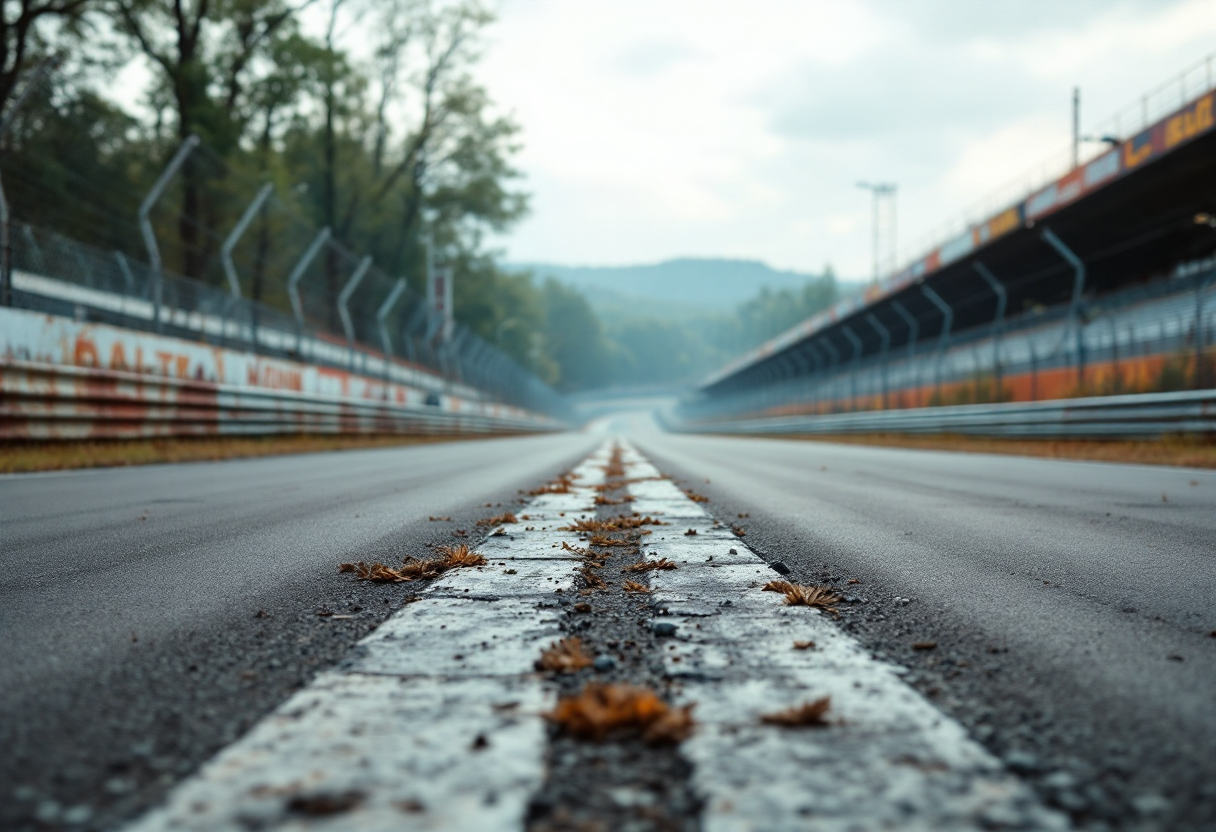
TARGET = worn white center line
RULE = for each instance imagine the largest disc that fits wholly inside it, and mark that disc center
(888, 759)
(434, 720)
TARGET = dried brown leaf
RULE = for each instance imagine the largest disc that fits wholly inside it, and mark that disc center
(634, 586)
(605, 540)
(696, 498)
(601, 500)
(806, 715)
(646, 565)
(804, 645)
(565, 656)
(592, 580)
(620, 523)
(561, 485)
(602, 709)
(498, 519)
(415, 569)
(798, 595)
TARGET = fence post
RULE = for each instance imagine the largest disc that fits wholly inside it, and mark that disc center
(234, 282)
(1074, 307)
(1002, 298)
(814, 380)
(1199, 337)
(833, 362)
(383, 312)
(408, 330)
(293, 285)
(145, 225)
(913, 337)
(125, 268)
(856, 343)
(947, 322)
(344, 297)
(885, 335)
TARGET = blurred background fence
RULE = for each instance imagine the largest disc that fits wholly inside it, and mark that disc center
(1154, 338)
(233, 242)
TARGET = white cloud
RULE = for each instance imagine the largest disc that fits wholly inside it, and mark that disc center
(671, 127)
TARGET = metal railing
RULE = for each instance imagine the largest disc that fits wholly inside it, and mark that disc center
(1150, 415)
(1168, 327)
(60, 276)
(41, 401)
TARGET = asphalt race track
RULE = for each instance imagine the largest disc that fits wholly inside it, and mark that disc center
(151, 615)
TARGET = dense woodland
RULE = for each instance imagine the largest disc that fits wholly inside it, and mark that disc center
(366, 118)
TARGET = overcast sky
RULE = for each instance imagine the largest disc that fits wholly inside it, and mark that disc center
(664, 128)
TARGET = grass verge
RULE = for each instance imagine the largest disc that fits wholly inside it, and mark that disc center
(1187, 452)
(25, 456)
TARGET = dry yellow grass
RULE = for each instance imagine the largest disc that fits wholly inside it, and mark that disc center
(24, 456)
(1186, 452)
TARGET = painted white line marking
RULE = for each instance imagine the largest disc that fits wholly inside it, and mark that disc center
(890, 760)
(433, 723)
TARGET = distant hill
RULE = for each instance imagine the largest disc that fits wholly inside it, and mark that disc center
(710, 285)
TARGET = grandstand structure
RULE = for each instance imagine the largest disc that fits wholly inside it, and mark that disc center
(1097, 281)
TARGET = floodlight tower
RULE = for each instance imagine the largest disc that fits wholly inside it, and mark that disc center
(884, 224)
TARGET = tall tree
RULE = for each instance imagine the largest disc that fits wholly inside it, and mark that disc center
(205, 51)
(27, 29)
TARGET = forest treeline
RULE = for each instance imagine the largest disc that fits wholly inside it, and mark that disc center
(365, 116)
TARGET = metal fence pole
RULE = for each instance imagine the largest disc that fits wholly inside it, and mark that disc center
(817, 382)
(125, 268)
(408, 333)
(834, 356)
(382, 313)
(344, 297)
(1200, 376)
(1002, 299)
(947, 322)
(234, 281)
(856, 343)
(913, 337)
(293, 284)
(885, 335)
(1074, 307)
(145, 225)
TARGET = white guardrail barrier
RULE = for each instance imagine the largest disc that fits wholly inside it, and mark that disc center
(1145, 415)
(64, 379)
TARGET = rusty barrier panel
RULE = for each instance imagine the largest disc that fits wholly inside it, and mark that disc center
(64, 379)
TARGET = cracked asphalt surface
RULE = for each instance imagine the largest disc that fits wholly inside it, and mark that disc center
(152, 614)
(1070, 603)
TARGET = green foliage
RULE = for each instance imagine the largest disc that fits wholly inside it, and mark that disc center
(388, 152)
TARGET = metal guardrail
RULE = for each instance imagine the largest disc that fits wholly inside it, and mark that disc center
(60, 276)
(1148, 415)
(52, 401)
